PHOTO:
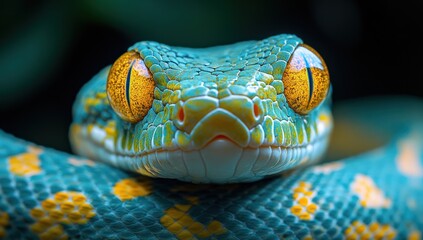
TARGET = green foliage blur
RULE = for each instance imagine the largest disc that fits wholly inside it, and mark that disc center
(36, 36)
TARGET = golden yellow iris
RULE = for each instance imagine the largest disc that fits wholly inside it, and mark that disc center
(306, 79)
(130, 87)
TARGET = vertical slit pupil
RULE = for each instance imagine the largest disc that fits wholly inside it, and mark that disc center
(310, 83)
(309, 78)
(128, 83)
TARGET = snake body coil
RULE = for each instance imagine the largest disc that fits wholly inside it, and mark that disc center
(256, 112)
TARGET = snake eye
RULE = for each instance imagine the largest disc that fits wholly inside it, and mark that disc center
(306, 79)
(130, 87)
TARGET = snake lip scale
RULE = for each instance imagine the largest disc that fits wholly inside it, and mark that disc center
(236, 164)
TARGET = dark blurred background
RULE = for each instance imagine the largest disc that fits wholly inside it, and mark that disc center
(49, 49)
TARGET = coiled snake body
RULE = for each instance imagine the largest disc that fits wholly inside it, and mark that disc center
(219, 143)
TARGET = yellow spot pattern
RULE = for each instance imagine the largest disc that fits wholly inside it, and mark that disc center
(63, 208)
(359, 230)
(408, 160)
(100, 98)
(130, 188)
(75, 133)
(178, 221)
(328, 167)
(308, 237)
(370, 195)
(26, 164)
(415, 235)
(81, 162)
(110, 129)
(4, 222)
(303, 207)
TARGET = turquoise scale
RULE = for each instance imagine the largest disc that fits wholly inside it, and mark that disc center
(245, 210)
(392, 168)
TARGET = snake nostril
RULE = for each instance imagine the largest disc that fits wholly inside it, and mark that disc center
(257, 111)
(181, 115)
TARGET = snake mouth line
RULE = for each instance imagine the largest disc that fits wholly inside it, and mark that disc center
(220, 137)
(220, 161)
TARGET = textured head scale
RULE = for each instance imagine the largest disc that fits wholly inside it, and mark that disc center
(219, 115)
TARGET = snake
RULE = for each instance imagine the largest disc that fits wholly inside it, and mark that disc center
(224, 142)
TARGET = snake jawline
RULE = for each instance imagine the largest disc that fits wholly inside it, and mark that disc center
(220, 162)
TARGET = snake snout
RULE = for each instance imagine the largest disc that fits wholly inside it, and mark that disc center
(206, 119)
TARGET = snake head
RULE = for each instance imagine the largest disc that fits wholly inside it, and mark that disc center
(223, 114)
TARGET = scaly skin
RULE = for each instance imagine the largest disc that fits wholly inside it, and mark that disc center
(217, 88)
(371, 194)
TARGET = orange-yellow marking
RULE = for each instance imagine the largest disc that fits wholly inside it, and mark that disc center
(81, 162)
(46, 229)
(110, 129)
(178, 221)
(415, 235)
(303, 206)
(408, 160)
(76, 131)
(4, 222)
(308, 237)
(359, 230)
(63, 208)
(328, 167)
(130, 188)
(370, 195)
(99, 98)
(26, 164)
